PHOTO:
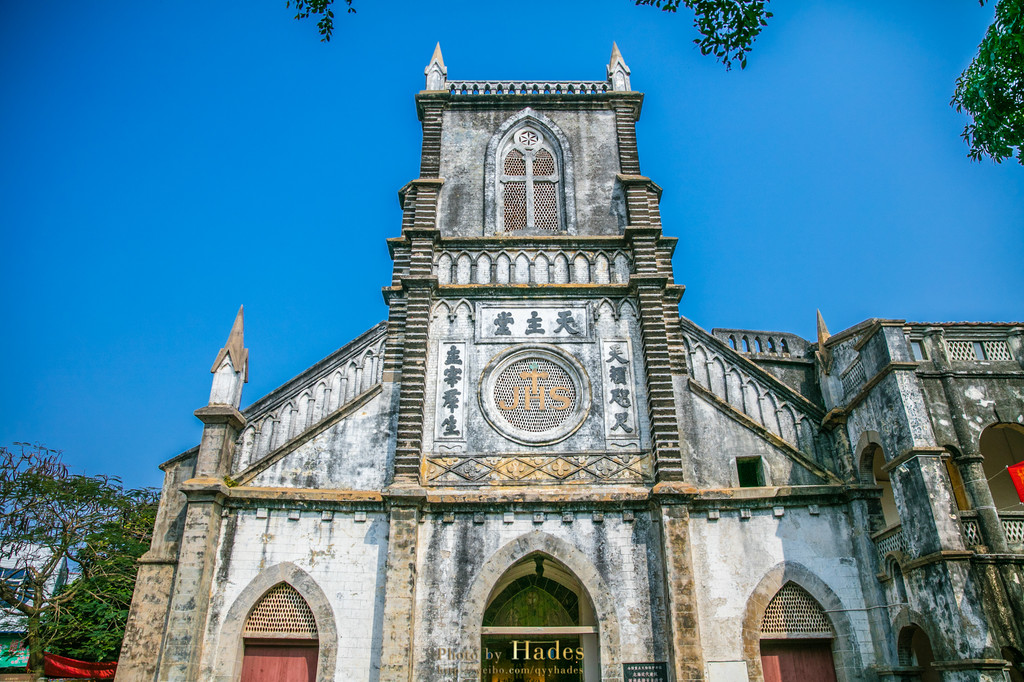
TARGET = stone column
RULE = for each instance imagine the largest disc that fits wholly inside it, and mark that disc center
(919, 478)
(687, 659)
(651, 283)
(400, 593)
(1016, 342)
(143, 634)
(186, 620)
(970, 458)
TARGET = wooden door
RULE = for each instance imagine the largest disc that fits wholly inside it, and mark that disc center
(276, 663)
(797, 661)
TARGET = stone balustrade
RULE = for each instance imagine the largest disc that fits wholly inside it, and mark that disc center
(890, 540)
(762, 343)
(528, 87)
(756, 394)
(1013, 527)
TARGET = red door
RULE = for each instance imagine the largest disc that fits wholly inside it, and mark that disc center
(274, 663)
(797, 661)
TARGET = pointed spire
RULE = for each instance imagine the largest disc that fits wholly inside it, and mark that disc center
(436, 72)
(235, 348)
(823, 353)
(823, 334)
(618, 72)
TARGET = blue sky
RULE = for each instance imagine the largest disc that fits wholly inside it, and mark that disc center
(165, 162)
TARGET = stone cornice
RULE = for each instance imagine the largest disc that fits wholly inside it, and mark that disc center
(908, 455)
(220, 414)
(937, 557)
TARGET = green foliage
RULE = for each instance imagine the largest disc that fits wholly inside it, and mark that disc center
(728, 28)
(50, 519)
(91, 626)
(991, 89)
(319, 8)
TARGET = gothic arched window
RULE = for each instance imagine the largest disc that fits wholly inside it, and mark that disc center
(529, 184)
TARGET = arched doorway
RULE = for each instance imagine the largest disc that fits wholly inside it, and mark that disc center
(280, 639)
(796, 638)
(1002, 445)
(539, 626)
(915, 651)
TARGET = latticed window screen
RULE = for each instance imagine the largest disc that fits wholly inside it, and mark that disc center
(997, 350)
(529, 185)
(543, 163)
(794, 612)
(515, 163)
(961, 350)
(515, 206)
(543, 413)
(281, 613)
(545, 206)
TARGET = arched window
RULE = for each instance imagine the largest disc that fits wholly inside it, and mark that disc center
(796, 638)
(281, 639)
(529, 179)
(873, 472)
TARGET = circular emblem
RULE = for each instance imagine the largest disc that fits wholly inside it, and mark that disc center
(528, 138)
(534, 394)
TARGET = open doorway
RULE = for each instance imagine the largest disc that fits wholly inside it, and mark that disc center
(539, 626)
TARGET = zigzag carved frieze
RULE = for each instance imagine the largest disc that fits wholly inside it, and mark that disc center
(568, 468)
(746, 388)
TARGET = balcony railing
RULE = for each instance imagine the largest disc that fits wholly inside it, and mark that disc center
(1013, 527)
(890, 540)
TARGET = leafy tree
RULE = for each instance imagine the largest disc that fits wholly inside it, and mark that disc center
(91, 626)
(728, 28)
(319, 8)
(48, 519)
(991, 89)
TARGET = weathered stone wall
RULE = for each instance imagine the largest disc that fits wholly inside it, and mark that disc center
(731, 556)
(481, 437)
(354, 454)
(461, 561)
(465, 134)
(715, 441)
(343, 557)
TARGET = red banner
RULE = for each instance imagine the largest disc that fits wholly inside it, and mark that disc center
(1017, 476)
(60, 666)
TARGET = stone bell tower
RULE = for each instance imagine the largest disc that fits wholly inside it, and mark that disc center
(531, 224)
(533, 328)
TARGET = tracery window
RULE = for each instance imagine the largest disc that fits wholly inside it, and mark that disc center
(529, 184)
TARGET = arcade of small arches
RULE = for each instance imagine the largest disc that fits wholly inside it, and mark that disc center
(1001, 445)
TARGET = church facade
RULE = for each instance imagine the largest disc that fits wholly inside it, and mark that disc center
(535, 469)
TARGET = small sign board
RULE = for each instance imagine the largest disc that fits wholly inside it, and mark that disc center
(645, 672)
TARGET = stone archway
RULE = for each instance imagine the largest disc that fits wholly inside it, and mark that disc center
(543, 544)
(228, 664)
(1002, 445)
(846, 650)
